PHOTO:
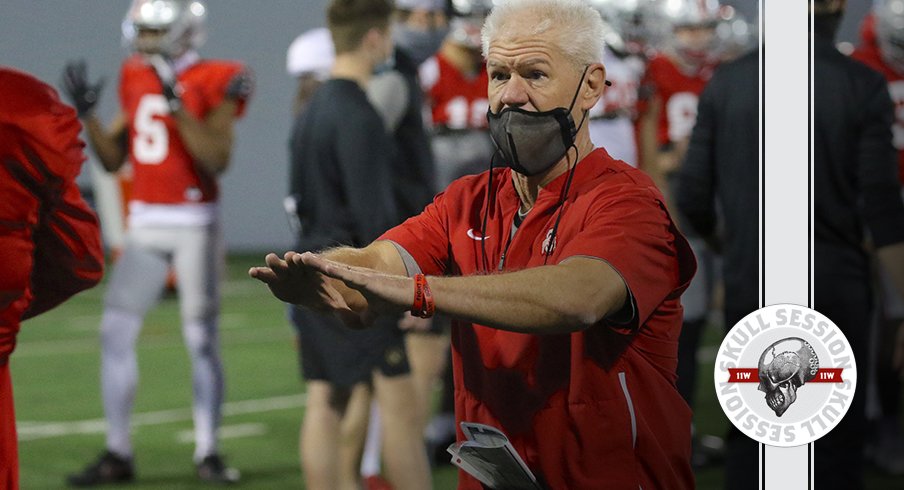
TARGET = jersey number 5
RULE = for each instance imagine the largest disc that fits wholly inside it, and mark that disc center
(151, 142)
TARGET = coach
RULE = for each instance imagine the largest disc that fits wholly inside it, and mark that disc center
(564, 272)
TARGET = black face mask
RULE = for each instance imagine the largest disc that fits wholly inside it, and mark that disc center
(532, 142)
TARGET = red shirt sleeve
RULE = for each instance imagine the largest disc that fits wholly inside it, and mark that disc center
(426, 237)
(630, 229)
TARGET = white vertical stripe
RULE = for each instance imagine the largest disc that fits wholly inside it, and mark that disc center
(786, 180)
(624, 387)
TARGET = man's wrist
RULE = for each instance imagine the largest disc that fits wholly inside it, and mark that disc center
(423, 305)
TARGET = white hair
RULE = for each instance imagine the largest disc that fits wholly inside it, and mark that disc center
(577, 26)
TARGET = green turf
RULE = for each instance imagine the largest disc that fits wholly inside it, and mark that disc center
(56, 377)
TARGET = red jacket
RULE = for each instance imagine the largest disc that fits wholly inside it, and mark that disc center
(591, 409)
(50, 245)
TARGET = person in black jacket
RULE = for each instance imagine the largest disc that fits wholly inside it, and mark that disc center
(856, 195)
(857, 198)
(720, 171)
(342, 179)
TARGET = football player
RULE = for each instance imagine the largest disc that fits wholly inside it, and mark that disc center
(629, 44)
(675, 77)
(175, 128)
(455, 81)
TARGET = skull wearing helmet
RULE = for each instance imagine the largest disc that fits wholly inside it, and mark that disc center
(783, 368)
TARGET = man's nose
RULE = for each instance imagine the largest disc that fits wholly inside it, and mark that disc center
(515, 92)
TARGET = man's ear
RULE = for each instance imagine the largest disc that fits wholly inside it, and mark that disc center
(593, 86)
(371, 37)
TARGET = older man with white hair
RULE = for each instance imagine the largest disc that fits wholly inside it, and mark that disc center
(562, 269)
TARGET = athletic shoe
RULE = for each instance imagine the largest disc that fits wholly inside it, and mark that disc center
(212, 469)
(109, 468)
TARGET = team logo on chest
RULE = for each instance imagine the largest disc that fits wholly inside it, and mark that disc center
(549, 243)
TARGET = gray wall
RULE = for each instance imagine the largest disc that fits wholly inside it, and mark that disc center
(41, 35)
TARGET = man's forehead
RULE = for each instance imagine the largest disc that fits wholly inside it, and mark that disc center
(523, 51)
(497, 60)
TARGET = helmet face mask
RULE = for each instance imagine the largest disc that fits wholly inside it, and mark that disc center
(889, 16)
(689, 30)
(168, 27)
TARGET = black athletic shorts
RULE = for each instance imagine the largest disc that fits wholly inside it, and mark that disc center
(329, 351)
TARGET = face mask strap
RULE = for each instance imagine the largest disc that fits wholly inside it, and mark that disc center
(490, 196)
(578, 90)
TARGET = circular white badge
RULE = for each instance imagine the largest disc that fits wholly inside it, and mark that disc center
(785, 375)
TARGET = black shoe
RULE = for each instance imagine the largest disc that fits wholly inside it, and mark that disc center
(109, 468)
(213, 469)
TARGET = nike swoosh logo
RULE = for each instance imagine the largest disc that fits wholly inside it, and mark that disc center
(476, 237)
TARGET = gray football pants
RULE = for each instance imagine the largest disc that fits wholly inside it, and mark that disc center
(135, 285)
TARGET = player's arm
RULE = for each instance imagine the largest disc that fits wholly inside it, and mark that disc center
(109, 143)
(570, 296)
(209, 140)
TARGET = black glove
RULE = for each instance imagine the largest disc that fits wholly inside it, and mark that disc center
(82, 94)
(241, 86)
(163, 67)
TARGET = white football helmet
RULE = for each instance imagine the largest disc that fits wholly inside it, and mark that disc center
(631, 25)
(889, 16)
(467, 20)
(182, 21)
(686, 29)
(735, 34)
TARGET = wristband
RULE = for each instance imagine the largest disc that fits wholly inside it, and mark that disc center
(423, 306)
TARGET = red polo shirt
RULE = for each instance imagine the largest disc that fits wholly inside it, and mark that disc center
(592, 409)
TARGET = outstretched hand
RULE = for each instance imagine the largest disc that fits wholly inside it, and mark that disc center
(305, 280)
(385, 293)
(293, 281)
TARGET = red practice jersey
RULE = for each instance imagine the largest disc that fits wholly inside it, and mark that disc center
(679, 93)
(592, 409)
(164, 172)
(868, 53)
(456, 101)
(50, 245)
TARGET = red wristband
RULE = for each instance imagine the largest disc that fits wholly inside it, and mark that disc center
(423, 306)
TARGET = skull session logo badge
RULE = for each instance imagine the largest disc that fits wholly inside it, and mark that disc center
(785, 375)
